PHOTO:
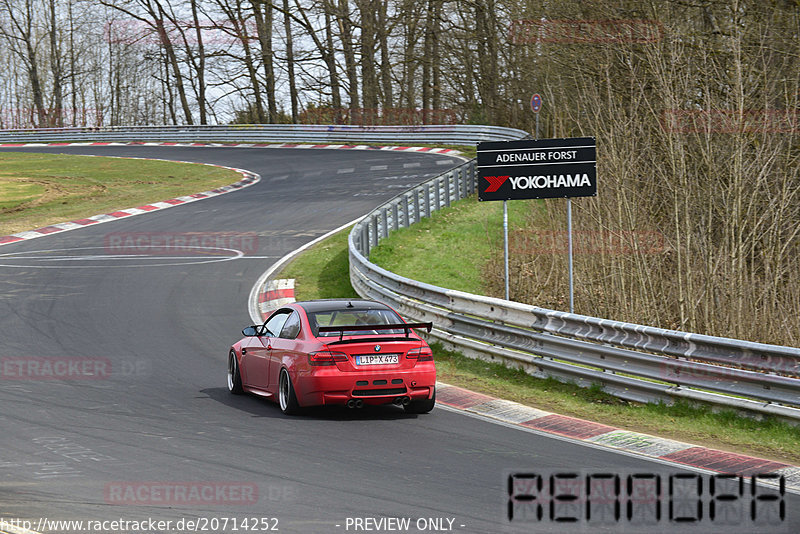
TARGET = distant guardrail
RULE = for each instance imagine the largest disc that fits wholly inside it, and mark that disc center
(631, 361)
(447, 134)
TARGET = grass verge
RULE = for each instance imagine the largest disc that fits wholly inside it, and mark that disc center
(42, 189)
(461, 247)
(322, 272)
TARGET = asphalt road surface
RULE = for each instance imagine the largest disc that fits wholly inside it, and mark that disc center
(155, 434)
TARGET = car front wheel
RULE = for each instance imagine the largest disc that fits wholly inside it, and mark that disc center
(421, 406)
(287, 399)
(234, 378)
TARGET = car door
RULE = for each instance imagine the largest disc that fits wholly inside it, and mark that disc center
(257, 356)
(282, 346)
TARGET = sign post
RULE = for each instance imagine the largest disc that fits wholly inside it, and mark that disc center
(546, 168)
(505, 245)
(569, 247)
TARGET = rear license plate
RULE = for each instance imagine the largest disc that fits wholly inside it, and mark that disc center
(377, 359)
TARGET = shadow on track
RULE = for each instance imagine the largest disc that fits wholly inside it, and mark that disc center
(259, 407)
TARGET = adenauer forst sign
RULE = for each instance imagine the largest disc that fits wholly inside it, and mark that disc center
(547, 168)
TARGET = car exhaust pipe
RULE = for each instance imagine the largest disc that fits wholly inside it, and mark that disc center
(359, 403)
(405, 400)
(351, 403)
(398, 401)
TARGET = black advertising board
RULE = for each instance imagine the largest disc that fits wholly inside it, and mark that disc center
(546, 168)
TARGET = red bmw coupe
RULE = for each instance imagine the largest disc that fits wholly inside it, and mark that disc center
(335, 352)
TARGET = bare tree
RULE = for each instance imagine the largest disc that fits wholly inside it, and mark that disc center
(287, 25)
(18, 31)
(262, 10)
(345, 22)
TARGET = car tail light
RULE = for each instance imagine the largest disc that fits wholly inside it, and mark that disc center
(421, 354)
(326, 357)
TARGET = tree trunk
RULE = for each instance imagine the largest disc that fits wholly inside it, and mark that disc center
(57, 118)
(368, 74)
(264, 27)
(330, 59)
(386, 60)
(427, 61)
(410, 28)
(200, 65)
(287, 24)
(172, 60)
(346, 36)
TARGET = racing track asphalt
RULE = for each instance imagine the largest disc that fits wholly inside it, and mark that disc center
(163, 415)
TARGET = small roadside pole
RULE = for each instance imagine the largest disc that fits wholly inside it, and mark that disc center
(536, 106)
(542, 168)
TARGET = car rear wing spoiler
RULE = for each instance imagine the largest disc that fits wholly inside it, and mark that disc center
(358, 328)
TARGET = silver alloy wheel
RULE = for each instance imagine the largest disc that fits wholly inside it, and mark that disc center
(231, 370)
(234, 377)
(284, 390)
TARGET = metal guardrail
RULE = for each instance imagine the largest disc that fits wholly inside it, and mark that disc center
(270, 133)
(634, 362)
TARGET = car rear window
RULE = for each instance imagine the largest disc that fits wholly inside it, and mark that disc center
(354, 317)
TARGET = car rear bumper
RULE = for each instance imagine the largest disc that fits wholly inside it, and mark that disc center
(338, 388)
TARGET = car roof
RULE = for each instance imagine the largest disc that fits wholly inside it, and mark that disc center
(324, 305)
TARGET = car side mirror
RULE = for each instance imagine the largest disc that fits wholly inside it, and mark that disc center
(250, 331)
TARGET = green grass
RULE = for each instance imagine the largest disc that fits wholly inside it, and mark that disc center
(14, 194)
(322, 272)
(455, 241)
(41, 189)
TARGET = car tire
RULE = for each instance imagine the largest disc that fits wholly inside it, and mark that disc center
(234, 377)
(421, 406)
(287, 399)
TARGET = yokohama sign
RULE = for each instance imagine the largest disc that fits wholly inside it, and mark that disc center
(547, 168)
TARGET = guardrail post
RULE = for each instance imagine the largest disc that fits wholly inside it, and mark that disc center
(473, 185)
(395, 222)
(385, 226)
(406, 222)
(365, 240)
(416, 205)
(437, 190)
(427, 200)
(447, 188)
(374, 234)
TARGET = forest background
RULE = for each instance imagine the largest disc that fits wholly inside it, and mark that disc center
(694, 104)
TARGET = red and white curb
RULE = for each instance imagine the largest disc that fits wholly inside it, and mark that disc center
(248, 179)
(667, 450)
(276, 293)
(425, 149)
(254, 300)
